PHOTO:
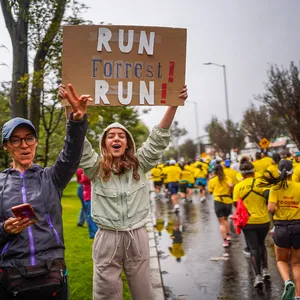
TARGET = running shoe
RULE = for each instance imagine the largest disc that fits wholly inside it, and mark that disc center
(246, 251)
(288, 291)
(176, 208)
(202, 199)
(189, 199)
(258, 281)
(228, 238)
(266, 274)
(225, 244)
(183, 199)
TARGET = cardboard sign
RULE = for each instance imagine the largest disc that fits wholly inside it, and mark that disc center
(264, 143)
(125, 65)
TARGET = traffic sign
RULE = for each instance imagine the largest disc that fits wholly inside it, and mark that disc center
(264, 143)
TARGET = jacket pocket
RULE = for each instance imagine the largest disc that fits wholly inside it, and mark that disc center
(106, 204)
(137, 199)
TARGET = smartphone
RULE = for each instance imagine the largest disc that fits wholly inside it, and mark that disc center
(25, 211)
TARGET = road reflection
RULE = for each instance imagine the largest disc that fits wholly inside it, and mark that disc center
(192, 261)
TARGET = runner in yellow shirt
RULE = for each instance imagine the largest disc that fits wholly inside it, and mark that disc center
(272, 170)
(164, 177)
(156, 173)
(221, 188)
(261, 163)
(173, 177)
(284, 202)
(230, 172)
(258, 224)
(201, 181)
(186, 182)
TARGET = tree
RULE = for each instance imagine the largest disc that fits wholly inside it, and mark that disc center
(4, 116)
(34, 25)
(261, 123)
(225, 137)
(282, 97)
(16, 19)
(176, 134)
(188, 149)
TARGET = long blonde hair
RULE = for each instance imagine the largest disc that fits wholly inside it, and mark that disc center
(127, 161)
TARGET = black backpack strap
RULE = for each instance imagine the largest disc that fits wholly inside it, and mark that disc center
(251, 190)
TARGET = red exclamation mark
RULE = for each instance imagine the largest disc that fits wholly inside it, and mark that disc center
(171, 71)
(163, 93)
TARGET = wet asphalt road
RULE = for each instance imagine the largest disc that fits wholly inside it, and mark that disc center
(191, 256)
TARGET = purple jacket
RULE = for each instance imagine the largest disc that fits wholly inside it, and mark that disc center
(42, 188)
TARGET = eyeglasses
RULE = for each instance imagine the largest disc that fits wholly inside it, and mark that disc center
(17, 142)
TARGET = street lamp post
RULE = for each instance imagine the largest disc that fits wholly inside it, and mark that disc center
(225, 85)
(197, 126)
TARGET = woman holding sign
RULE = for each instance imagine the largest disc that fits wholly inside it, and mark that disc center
(120, 205)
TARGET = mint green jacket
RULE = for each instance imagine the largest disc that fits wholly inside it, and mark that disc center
(122, 203)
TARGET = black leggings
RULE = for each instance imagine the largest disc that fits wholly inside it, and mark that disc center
(255, 235)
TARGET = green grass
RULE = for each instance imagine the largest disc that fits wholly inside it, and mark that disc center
(79, 249)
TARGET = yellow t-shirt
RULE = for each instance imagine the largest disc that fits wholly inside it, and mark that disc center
(164, 174)
(240, 177)
(173, 174)
(296, 174)
(156, 174)
(187, 175)
(223, 189)
(262, 164)
(232, 174)
(255, 204)
(200, 173)
(273, 170)
(287, 202)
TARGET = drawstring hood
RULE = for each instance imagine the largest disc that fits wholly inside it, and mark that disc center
(116, 125)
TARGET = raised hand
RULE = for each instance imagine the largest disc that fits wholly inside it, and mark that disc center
(183, 93)
(78, 104)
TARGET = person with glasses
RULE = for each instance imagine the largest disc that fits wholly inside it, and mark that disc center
(35, 248)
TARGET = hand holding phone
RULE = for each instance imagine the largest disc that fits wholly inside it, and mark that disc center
(25, 211)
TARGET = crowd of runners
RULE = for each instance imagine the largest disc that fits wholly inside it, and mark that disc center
(260, 195)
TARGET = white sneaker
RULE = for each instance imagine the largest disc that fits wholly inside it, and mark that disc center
(265, 274)
(258, 281)
(176, 208)
(202, 199)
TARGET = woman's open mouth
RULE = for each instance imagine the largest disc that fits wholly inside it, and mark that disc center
(116, 146)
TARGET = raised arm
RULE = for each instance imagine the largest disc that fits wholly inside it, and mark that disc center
(90, 160)
(158, 140)
(169, 115)
(68, 160)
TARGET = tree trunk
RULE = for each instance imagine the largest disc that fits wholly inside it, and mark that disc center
(39, 64)
(18, 31)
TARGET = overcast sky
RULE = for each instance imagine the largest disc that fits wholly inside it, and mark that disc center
(246, 36)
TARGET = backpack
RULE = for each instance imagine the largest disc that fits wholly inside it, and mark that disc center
(241, 215)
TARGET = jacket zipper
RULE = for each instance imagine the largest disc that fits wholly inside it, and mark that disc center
(49, 221)
(30, 234)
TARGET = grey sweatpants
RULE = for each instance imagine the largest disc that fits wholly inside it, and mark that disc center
(114, 251)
